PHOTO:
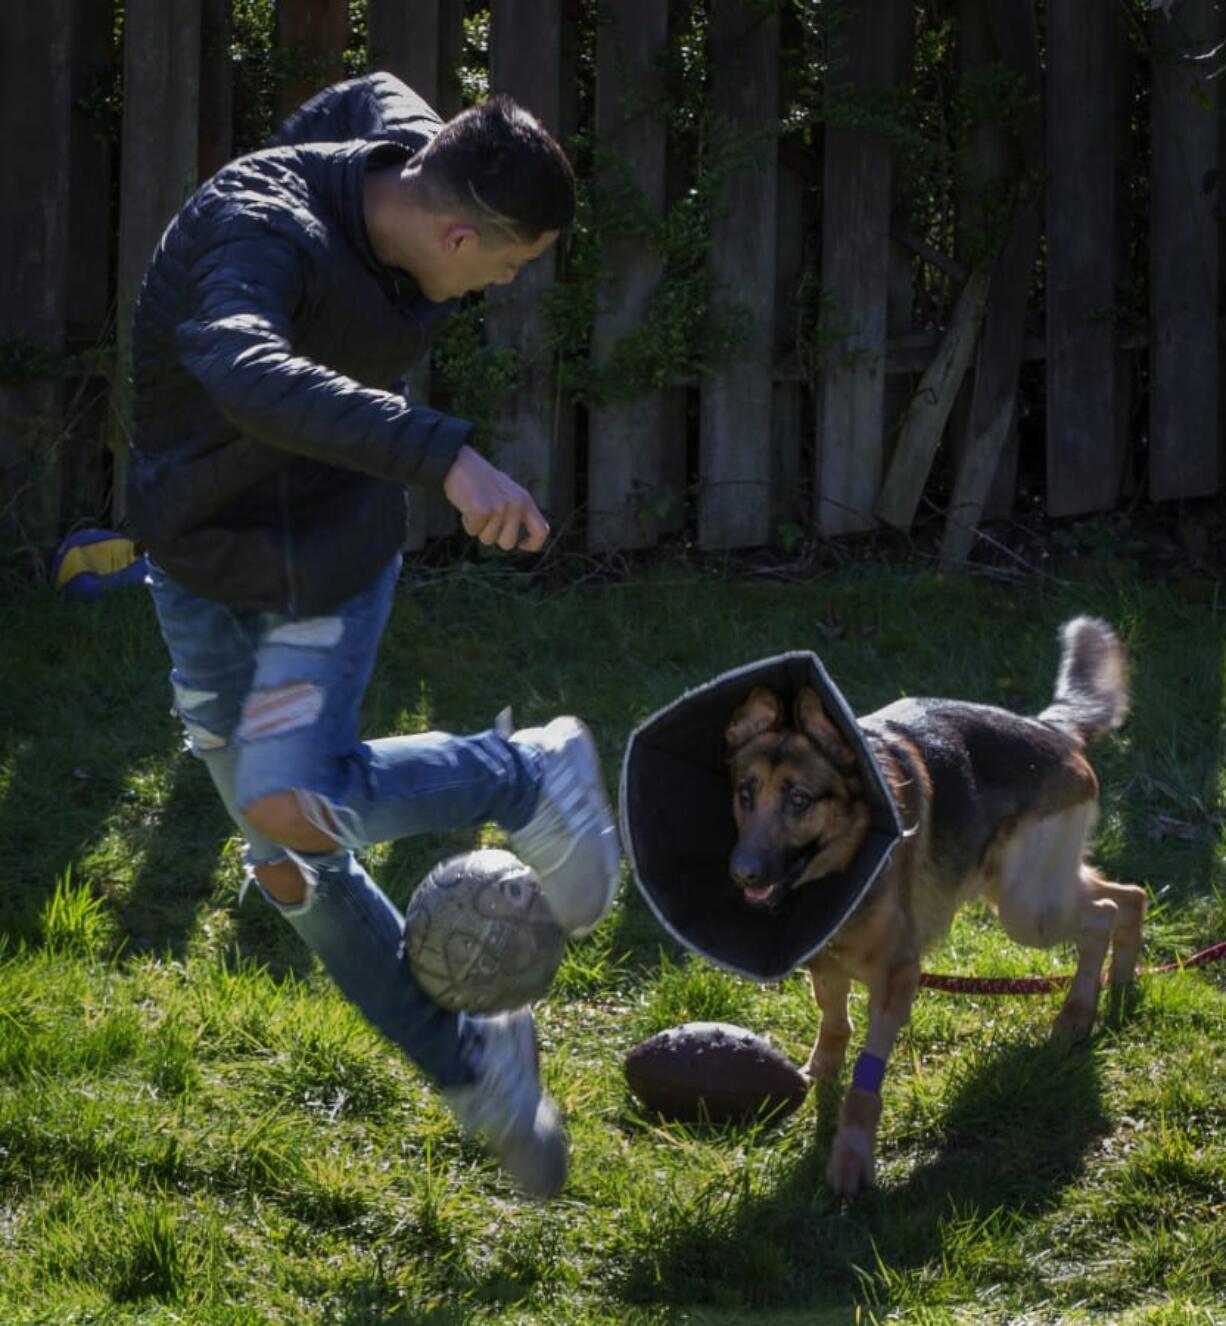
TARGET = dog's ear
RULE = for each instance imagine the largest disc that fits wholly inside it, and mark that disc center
(811, 719)
(761, 712)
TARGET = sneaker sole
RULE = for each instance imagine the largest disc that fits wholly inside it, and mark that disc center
(592, 782)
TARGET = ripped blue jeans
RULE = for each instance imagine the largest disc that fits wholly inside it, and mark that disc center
(270, 704)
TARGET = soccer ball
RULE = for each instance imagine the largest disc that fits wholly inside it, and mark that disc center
(479, 935)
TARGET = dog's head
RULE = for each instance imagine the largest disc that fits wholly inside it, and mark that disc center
(796, 797)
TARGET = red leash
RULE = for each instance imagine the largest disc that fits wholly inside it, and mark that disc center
(1027, 985)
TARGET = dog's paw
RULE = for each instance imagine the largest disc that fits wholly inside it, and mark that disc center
(822, 1068)
(1122, 1003)
(1074, 1022)
(850, 1168)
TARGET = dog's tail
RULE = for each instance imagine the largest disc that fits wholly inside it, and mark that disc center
(1092, 685)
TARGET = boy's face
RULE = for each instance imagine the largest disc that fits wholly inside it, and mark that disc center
(469, 263)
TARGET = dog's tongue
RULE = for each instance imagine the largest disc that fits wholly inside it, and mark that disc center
(759, 895)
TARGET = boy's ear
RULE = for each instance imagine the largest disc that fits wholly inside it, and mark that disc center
(456, 236)
(761, 712)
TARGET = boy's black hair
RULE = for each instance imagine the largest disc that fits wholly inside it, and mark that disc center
(496, 163)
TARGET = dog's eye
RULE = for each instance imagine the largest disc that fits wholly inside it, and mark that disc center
(798, 800)
(744, 795)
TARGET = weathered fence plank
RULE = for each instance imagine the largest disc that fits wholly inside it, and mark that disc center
(216, 145)
(88, 274)
(855, 277)
(788, 507)
(1083, 458)
(1129, 166)
(406, 40)
(525, 55)
(86, 485)
(924, 422)
(1002, 345)
(988, 174)
(311, 35)
(735, 409)
(420, 45)
(35, 99)
(993, 404)
(626, 431)
(900, 288)
(574, 116)
(1183, 246)
(161, 53)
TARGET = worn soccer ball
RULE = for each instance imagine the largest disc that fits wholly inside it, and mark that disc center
(479, 935)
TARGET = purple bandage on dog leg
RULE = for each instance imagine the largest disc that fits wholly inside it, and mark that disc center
(869, 1072)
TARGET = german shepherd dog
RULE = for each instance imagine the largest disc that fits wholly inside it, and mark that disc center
(993, 804)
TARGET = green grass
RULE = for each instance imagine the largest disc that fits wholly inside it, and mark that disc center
(195, 1128)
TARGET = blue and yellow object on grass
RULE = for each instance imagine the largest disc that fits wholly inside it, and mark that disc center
(93, 562)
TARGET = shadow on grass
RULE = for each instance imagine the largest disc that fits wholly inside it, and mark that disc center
(52, 808)
(176, 876)
(1016, 1131)
(72, 741)
(177, 882)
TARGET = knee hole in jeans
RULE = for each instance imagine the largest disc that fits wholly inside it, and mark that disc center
(282, 881)
(277, 709)
(279, 816)
(190, 707)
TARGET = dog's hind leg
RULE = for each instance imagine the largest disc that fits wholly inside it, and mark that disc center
(1111, 914)
(1131, 902)
(1097, 921)
(830, 990)
(1045, 894)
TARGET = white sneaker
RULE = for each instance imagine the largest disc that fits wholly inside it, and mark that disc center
(571, 840)
(506, 1106)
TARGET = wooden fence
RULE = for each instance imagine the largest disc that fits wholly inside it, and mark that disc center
(835, 442)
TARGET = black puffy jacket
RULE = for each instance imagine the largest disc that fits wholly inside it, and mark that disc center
(270, 456)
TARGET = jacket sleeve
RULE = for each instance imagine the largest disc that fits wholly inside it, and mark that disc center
(236, 343)
(377, 105)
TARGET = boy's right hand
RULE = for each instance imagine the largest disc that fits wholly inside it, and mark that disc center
(493, 507)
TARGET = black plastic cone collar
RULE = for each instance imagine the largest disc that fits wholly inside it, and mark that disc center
(678, 831)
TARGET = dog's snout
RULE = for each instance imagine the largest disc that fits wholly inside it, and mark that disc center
(746, 870)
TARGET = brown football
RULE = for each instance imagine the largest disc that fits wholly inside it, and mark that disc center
(713, 1072)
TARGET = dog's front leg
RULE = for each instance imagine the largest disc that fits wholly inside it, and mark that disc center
(831, 987)
(850, 1169)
